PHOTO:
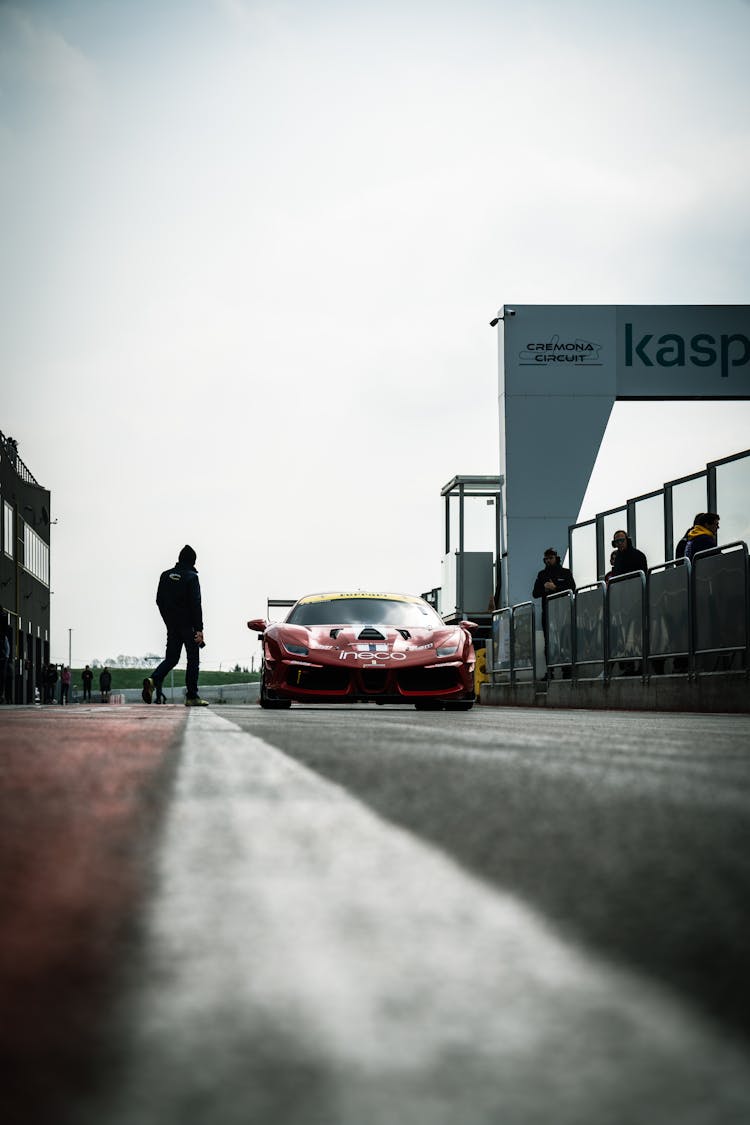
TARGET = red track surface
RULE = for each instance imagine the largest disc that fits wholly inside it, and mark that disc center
(81, 792)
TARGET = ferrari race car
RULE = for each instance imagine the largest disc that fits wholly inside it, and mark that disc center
(366, 648)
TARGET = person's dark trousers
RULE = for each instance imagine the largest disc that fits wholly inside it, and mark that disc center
(176, 638)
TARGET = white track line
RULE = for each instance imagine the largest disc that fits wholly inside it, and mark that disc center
(295, 933)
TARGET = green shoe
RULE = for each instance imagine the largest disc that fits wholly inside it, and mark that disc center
(148, 690)
(197, 702)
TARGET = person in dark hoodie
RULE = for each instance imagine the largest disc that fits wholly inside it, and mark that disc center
(179, 600)
(551, 580)
(628, 557)
(703, 534)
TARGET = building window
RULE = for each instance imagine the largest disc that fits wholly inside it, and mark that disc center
(8, 529)
(36, 555)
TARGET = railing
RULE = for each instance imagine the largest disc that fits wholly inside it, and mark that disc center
(590, 634)
(10, 449)
(561, 632)
(720, 608)
(627, 622)
(670, 618)
(514, 643)
(683, 617)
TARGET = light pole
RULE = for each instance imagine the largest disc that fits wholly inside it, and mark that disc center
(70, 647)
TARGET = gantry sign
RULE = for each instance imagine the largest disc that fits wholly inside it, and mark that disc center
(562, 367)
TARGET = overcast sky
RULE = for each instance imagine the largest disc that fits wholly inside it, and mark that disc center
(250, 252)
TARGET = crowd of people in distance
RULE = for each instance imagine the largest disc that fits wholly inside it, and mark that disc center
(56, 681)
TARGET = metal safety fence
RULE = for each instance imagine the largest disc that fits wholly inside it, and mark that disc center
(683, 617)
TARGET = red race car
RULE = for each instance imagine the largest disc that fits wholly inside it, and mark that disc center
(366, 648)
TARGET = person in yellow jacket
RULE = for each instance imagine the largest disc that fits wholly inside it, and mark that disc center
(703, 534)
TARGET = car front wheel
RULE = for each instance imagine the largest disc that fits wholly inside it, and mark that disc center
(268, 702)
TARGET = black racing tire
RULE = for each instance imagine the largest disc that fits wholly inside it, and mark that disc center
(268, 703)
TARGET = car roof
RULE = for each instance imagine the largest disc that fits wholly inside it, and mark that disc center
(337, 595)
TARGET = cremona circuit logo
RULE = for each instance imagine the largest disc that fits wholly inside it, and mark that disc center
(582, 353)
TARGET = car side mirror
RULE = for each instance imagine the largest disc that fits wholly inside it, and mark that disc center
(257, 624)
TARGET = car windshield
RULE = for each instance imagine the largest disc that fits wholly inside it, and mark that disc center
(365, 611)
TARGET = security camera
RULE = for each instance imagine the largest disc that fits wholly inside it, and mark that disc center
(502, 313)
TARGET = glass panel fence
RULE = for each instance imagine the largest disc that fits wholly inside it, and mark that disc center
(669, 618)
(560, 621)
(583, 553)
(611, 522)
(688, 498)
(649, 527)
(626, 597)
(732, 492)
(720, 600)
(590, 630)
(501, 642)
(524, 640)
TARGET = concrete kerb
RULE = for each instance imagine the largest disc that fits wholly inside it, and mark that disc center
(727, 692)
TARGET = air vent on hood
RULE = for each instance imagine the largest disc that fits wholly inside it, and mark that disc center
(405, 634)
(335, 632)
(370, 633)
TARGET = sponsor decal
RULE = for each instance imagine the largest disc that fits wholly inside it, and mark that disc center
(731, 349)
(584, 353)
(373, 657)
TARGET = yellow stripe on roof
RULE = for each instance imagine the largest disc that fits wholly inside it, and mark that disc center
(358, 594)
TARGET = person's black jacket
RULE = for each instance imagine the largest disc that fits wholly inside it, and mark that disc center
(629, 559)
(698, 539)
(179, 598)
(558, 574)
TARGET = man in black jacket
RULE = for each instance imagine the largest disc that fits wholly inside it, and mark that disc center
(703, 535)
(179, 600)
(628, 557)
(551, 580)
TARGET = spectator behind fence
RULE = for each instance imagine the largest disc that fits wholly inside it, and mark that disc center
(551, 580)
(610, 572)
(703, 535)
(628, 558)
(87, 676)
(105, 684)
(679, 551)
(64, 684)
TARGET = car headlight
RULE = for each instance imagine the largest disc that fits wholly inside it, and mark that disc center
(296, 650)
(447, 650)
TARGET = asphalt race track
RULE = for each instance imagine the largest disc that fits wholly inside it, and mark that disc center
(373, 916)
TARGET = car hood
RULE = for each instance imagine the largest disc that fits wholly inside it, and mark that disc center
(364, 638)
